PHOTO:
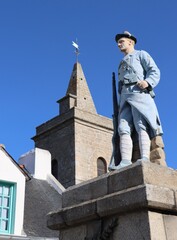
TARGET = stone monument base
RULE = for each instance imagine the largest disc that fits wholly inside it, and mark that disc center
(138, 202)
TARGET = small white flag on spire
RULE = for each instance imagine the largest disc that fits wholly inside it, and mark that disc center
(75, 45)
(76, 49)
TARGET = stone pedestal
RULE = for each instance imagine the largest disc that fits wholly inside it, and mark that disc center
(135, 203)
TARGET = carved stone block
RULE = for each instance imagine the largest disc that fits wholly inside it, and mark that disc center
(158, 156)
(157, 142)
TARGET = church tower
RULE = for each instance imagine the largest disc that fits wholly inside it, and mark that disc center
(79, 139)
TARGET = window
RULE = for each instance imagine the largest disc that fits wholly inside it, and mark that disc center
(101, 166)
(55, 168)
(7, 193)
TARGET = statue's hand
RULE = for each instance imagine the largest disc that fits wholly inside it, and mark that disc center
(142, 84)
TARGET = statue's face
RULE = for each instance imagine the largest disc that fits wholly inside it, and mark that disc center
(124, 44)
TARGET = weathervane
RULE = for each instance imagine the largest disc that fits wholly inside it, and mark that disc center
(76, 49)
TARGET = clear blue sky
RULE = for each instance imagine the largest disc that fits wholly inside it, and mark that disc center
(37, 57)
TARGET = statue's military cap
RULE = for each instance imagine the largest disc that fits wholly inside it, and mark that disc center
(125, 34)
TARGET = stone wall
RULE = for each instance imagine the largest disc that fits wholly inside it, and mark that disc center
(76, 140)
(92, 141)
(135, 203)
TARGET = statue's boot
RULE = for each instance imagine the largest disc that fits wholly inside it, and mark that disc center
(123, 163)
(126, 150)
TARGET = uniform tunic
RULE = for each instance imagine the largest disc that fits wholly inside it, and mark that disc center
(140, 66)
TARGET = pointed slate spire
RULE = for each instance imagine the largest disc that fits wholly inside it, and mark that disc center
(78, 93)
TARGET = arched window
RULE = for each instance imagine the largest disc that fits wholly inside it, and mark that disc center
(55, 168)
(101, 166)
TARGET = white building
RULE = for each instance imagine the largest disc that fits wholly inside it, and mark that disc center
(27, 195)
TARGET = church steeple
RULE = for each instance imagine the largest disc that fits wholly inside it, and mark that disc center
(78, 93)
(79, 139)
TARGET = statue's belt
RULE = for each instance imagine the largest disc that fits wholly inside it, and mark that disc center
(129, 84)
(130, 81)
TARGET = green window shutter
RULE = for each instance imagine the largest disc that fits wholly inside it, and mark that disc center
(7, 202)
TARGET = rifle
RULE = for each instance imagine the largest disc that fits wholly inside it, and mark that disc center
(116, 155)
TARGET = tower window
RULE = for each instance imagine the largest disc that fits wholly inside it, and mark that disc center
(7, 201)
(55, 168)
(101, 166)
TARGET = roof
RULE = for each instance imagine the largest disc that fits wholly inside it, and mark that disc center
(40, 199)
(78, 88)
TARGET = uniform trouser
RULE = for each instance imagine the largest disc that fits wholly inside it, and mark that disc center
(131, 118)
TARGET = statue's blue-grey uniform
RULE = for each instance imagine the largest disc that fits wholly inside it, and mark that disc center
(140, 66)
